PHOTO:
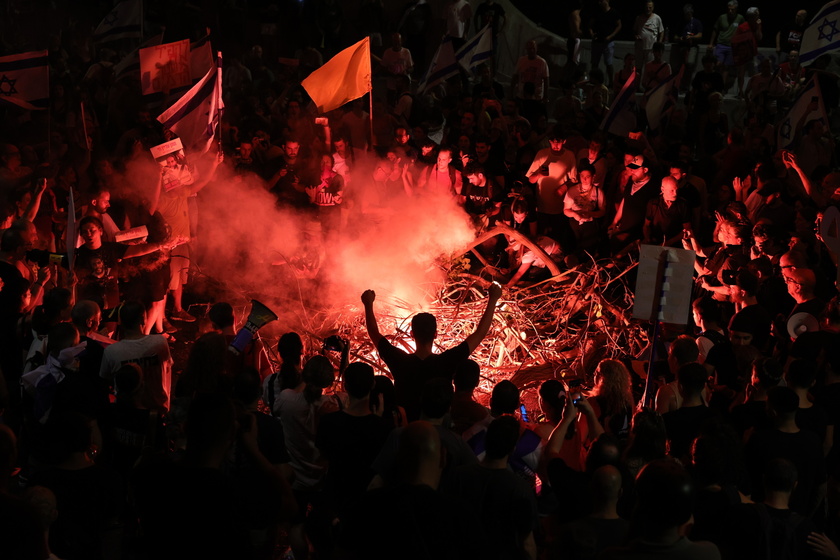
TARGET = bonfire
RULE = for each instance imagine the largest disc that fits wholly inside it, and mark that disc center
(560, 327)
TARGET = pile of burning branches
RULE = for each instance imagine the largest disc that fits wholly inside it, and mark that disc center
(562, 326)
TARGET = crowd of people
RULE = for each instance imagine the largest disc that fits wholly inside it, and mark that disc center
(110, 447)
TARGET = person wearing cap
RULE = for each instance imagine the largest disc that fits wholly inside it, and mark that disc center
(553, 170)
(641, 187)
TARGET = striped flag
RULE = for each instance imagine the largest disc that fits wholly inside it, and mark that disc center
(444, 65)
(809, 104)
(123, 22)
(25, 80)
(621, 118)
(196, 116)
(662, 98)
(477, 50)
(823, 33)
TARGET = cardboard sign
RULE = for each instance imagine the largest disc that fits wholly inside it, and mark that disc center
(165, 67)
(173, 162)
(664, 284)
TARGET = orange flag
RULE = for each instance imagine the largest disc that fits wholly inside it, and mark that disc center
(345, 77)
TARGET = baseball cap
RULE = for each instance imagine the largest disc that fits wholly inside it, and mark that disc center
(638, 161)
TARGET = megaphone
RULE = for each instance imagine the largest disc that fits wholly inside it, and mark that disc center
(800, 323)
(260, 316)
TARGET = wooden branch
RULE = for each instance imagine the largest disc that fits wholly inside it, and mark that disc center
(501, 229)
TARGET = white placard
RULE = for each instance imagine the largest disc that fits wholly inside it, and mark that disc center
(666, 278)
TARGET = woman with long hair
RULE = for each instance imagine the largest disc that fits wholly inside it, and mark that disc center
(612, 398)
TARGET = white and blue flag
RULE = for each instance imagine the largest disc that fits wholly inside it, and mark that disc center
(823, 33)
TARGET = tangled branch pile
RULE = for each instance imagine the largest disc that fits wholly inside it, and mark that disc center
(569, 322)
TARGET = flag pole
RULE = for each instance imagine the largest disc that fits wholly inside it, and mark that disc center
(49, 132)
(218, 131)
(84, 126)
(370, 104)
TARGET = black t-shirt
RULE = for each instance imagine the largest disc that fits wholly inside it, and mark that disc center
(666, 222)
(682, 426)
(410, 372)
(634, 209)
(758, 531)
(690, 194)
(722, 358)
(412, 523)
(111, 253)
(829, 398)
(504, 503)
(814, 419)
(569, 486)
(90, 501)
(350, 444)
(202, 503)
(481, 199)
(604, 23)
(790, 37)
(751, 414)
(803, 449)
(814, 307)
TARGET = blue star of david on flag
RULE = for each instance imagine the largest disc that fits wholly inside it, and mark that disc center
(112, 17)
(828, 30)
(7, 86)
